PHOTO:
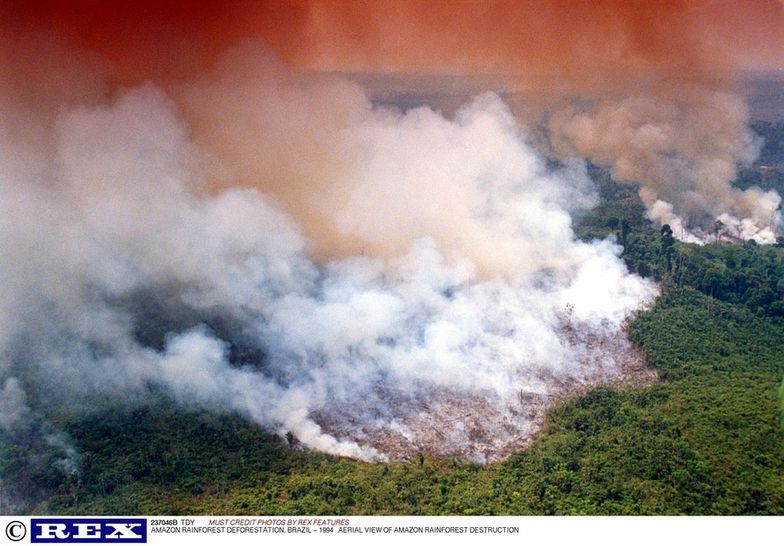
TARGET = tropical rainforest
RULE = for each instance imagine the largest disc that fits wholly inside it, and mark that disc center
(704, 438)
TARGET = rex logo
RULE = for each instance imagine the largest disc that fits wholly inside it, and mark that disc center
(88, 530)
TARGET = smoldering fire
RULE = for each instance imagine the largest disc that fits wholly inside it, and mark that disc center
(402, 281)
(362, 352)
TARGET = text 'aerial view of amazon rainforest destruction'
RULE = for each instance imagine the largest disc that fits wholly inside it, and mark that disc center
(431, 257)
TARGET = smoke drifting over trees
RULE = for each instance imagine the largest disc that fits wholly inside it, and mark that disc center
(463, 291)
(250, 237)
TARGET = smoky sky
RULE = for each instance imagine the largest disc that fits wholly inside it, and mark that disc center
(650, 90)
(193, 197)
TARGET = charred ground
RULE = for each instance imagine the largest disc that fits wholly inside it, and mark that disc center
(704, 439)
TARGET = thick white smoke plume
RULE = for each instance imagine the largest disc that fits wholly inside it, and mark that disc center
(684, 147)
(473, 305)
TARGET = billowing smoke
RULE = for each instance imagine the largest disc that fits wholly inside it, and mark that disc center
(182, 216)
(684, 152)
(649, 90)
(173, 240)
(372, 181)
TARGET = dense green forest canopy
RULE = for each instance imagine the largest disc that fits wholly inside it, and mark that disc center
(705, 439)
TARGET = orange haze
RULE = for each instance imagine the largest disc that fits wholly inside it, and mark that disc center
(585, 43)
(659, 75)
